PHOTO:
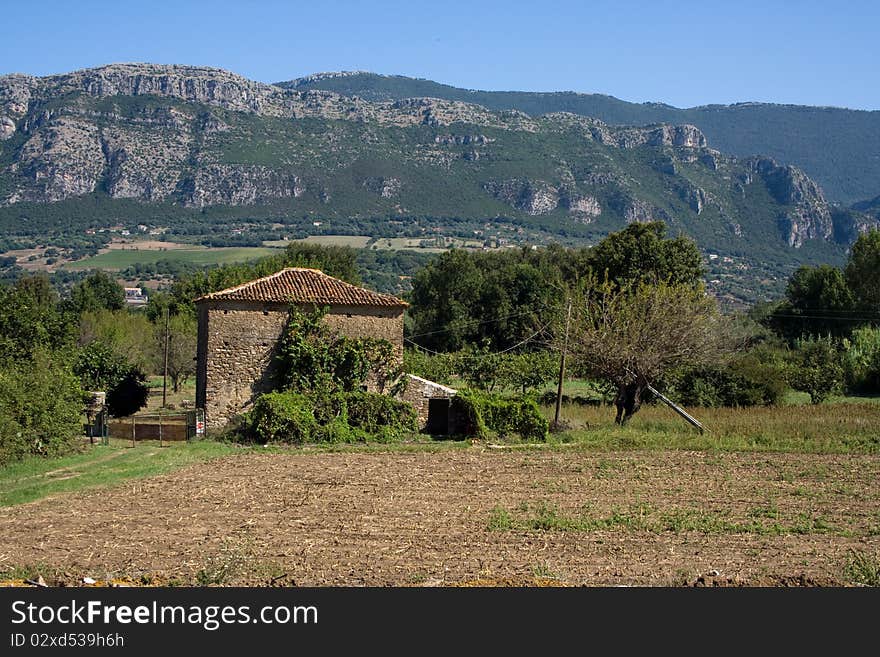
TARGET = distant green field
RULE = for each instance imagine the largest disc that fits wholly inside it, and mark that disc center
(120, 259)
(363, 242)
(354, 241)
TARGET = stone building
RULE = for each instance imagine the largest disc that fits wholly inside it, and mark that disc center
(239, 329)
(433, 404)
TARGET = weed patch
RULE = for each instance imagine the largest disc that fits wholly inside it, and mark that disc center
(862, 568)
(644, 517)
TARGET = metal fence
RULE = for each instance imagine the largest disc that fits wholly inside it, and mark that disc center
(170, 427)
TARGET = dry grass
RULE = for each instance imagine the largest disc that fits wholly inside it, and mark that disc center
(826, 428)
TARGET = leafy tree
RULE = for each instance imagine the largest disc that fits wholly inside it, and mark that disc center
(745, 381)
(863, 271)
(494, 300)
(818, 369)
(126, 333)
(98, 291)
(497, 300)
(337, 261)
(182, 332)
(434, 367)
(530, 370)
(30, 320)
(819, 302)
(158, 304)
(41, 404)
(38, 288)
(641, 253)
(481, 368)
(824, 300)
(100, 367)
(443, 296)
(632, 335)
(861, 360)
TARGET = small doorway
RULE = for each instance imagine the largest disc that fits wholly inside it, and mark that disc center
(438, 417)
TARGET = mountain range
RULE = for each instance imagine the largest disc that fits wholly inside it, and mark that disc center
(839, 148)
(204, 148)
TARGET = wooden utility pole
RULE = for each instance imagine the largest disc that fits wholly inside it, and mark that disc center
(562, 367)
(165, 367)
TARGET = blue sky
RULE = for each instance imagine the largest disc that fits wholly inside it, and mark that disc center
(681, 53)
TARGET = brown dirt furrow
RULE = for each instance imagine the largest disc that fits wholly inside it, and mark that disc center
(352, 519)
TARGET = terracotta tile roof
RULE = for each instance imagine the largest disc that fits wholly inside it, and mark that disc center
(299, 285)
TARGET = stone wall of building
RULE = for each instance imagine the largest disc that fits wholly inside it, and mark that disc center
(418, 392)
(238, 342)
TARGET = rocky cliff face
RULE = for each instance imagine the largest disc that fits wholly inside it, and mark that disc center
(202, 137)
(75, 148)
(849, 224)
(809, 216)
(533, 197)
(538, 197)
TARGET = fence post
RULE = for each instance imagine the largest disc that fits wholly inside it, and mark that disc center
(160, 431)
(132, 431)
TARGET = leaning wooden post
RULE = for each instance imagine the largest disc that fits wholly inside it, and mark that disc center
(678, 409)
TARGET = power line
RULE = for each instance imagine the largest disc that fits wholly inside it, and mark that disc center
(826, 317)
(479, 322)
(833, 311)
(481, 356)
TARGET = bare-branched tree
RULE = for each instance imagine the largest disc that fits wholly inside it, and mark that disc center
(631, 335)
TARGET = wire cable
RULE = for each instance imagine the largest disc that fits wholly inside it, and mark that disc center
(480, 322)
(481, 356)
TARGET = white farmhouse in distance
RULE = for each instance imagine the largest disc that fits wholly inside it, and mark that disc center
(134, 296)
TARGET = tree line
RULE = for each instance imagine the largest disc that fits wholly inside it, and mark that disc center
(55, 351)
(634, 309)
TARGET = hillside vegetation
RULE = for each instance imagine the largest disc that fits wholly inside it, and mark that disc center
(835, 146)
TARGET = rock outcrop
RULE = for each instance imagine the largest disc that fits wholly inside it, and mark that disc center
(583, 208)
(849, 224)
(533, 197)
(383, 187)
(809, 216)
(222, 184)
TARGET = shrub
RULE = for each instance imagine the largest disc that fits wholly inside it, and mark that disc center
(373, 412)
(483, 412)
(288, 417)
(746, 381)
(817, 370)
(282, 417)
(861, 360)
(129, 395)
(41, 405)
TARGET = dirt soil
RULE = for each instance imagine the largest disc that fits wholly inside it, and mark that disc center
(426, 518)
